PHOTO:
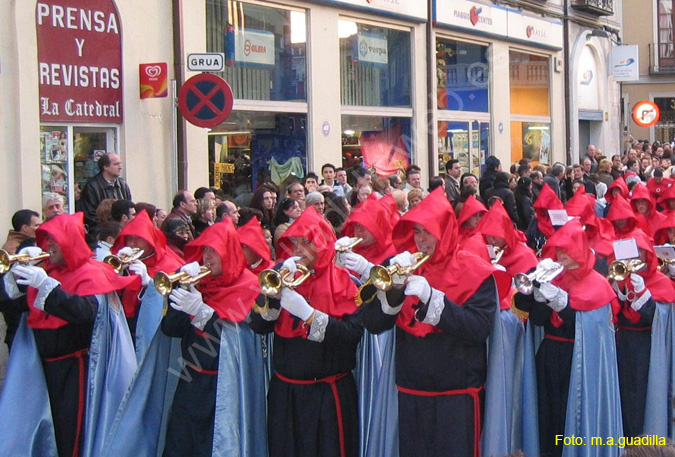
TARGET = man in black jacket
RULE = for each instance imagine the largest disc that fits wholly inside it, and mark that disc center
(108, 183)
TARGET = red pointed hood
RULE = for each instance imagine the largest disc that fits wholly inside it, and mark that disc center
(620, 184)
(391, 207)
(470, 207)
(660, 286)
(517, 257)
(251, 235)
(141, 226)
(232, 293)
(587, 288)
(447, 269)
(641, 192)
(621, 209)
(547, 200)
(375, 218)
(80, 275)
(661, 235)
(330, 288)
(600, 232)
(668, 194)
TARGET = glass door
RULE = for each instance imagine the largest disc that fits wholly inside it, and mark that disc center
(467, 142)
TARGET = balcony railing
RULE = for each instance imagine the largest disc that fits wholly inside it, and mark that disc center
(661, 59)
(598, 7)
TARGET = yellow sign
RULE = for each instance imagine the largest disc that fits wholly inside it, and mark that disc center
(223, 168)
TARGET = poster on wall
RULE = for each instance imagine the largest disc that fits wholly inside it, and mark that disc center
(79, 61)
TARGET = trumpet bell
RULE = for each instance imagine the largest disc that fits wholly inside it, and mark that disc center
(619, 270)
(382, 277)
(120, 262)
(165, 283)
(7, 259)
(272, 281)
(524, 283)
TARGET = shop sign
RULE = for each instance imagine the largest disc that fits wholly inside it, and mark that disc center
(646, 113)
(625, 63)
(79, 61)
(371, 48)
(535, 30)
(153, 79)
(249, 47)
(472, 16)
(588, 92)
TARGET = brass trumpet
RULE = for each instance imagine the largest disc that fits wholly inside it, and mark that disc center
(621, 269)
(665, 263)
(164, 282)
(499, 252)
(7, 259)
(272, 281)
(121, 262)
(525, 283)
(350, 246)
(382, 277)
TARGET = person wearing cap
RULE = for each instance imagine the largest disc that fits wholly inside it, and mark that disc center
(578, 353)
(72, 357)
(443, 313)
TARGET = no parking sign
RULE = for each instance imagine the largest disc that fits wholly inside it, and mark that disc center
(205, 100)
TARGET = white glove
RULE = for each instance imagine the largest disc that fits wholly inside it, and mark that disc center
(546, 264)
(188, 301)
(405, 259)
(30, 276)
(31, 251)
(290, 264)
(126, 251)
(499, 267)
(295, 304)
(548, 290)
(356, 263)
(671, 270)
(638, 283)
(137, 267)
(418, 286)
(343, 242)
(191, 268)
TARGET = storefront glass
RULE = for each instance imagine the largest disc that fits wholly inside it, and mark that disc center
(265, 49)
(453, 143)
(664, 130)
(253, 147)
(531, 140)
(374, 65)
(462, 76)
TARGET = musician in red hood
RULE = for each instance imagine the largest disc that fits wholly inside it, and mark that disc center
(644, 206)
(667, 201)
(622, 216)
(256, 250)
(470, 238)
(553, 305)
(618, 187)
(541, 228)
(443, 314)
(638, 294)
(62, 303)
(194, 316)
(312, 399)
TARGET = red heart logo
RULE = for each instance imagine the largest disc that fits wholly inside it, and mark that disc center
(153, 71)
(529, 30)
(474, 15)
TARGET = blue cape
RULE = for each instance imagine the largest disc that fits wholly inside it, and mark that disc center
(149, 317)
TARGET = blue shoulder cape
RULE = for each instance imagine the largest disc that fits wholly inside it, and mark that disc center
(149, 317)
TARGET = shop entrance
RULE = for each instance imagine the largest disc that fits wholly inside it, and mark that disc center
(468, 142)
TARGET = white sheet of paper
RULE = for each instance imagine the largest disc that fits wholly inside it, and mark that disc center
(665, 252)
(558, 217)
(626, 249)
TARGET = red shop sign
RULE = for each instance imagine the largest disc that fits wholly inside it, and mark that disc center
(79, 61)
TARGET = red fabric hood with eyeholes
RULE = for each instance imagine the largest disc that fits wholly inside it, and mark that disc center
(330, 288)
(456, 273)
(654, 219)
(232, 293)
(546, 200)
(80, 274)
(374, 217)
(163, 259)
(619, 183)
(600, 232)
(621, 209)
(587, 289)
(251, 235)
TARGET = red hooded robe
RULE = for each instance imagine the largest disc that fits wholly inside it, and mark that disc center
(653, 219)
(251, 235)
(470, 239)
(375, 218)
(620, 184)
(621, 209)
(547, 200)
(600, 232)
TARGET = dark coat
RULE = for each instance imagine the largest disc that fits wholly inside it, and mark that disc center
(501, 190)
(98, 189)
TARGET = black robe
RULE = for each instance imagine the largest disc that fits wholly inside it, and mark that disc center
(302, 418)
(66, 377)
(554, 365)
(453, 359)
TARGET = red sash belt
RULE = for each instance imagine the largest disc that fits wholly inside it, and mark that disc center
(472, 392)
(635, 329)
(80, 355)
(559, 338)
(327, 380)
(202, 371)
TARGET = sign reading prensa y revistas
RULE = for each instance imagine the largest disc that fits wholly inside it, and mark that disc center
(79, 61)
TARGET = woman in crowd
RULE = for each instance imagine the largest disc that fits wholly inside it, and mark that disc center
(289, 210)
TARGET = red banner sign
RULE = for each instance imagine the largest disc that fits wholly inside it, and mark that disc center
(153, 79)
(79, 61)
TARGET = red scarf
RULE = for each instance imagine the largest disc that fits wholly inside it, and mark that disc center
(375, 218)
(456, 273)
(251, 235)
(80, 274)
(232, 293)
(329, 289)
(547, 200)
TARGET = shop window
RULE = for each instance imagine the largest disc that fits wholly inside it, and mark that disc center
(68, 157)
(381, 144)
(374, 65)
(666, 34)
(664, 130)
(462, 76)
(253, 147)
(530, 107)
(265, 49)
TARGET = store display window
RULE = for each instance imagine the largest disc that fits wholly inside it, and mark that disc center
(462, 76)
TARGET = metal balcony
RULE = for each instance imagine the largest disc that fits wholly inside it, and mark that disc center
(597, 7)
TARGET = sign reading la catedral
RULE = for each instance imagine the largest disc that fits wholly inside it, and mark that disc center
(79, 61)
